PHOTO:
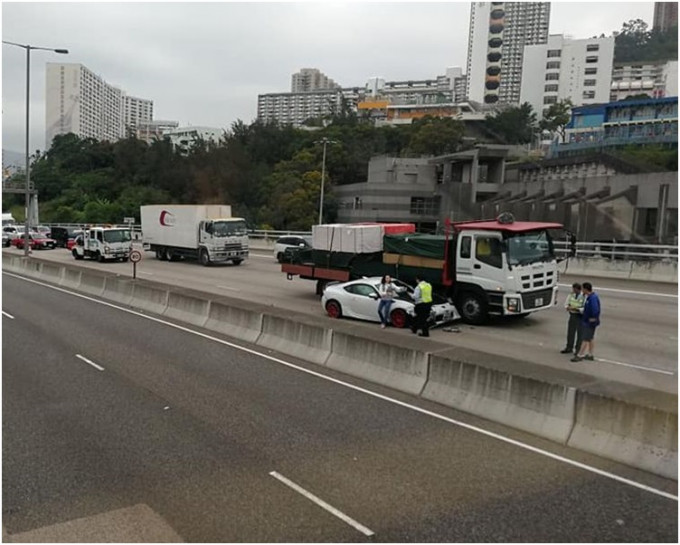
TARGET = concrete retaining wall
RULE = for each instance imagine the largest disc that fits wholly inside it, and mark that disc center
(119, 290)
(538, 407)
(92, 283)
(400, 368)
(305, 341)
(187, 309)
(235, 322)
(648, 271)
(71, 278)
(52, 273)
(638, 436)
(149, 298)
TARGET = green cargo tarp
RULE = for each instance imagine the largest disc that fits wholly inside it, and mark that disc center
(431, 246)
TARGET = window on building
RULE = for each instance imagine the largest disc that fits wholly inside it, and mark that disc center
(593, 47)
(550, 100)
(551, 88)
(552, 65)
(554, 53)
(588, 94)
(592, 70)
(425, 205)
(589, 83)
(591, 59)
(552, 77)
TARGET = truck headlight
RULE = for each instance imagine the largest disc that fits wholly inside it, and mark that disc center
(107, 250)
(512, 304)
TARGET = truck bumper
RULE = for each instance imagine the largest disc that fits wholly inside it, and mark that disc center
(525, 303)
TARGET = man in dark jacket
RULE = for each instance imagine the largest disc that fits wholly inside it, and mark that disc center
(589, 321)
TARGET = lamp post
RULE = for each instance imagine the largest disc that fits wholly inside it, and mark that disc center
(325, 141)
(28, 49)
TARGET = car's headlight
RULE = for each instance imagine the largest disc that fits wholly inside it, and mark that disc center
(512, 304)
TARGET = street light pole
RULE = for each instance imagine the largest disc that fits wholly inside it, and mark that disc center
(325, 141)
(27, 191)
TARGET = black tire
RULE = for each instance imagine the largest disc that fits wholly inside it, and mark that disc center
(124, 259)
(237, 261)
(171, 255)
(161, 254)
(334, 309)
(100, 257)
(320, 286)
(279, 257)
(473, 308)
(76, 255)
(204, 257)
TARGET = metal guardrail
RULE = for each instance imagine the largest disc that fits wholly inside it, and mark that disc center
(607, 250)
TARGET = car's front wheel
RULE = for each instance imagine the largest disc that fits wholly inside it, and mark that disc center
(334, 309)
(399, 318)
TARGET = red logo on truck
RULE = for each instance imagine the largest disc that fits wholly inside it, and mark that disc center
(167, 219)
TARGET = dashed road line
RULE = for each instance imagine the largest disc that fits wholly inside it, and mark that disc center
(629, 291)
(642, 367)
(349, 520)
(8, 315)
(90, 362)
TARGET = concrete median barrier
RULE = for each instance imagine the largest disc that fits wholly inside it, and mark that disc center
(234, 321)
(11, 263)
(31, 268)
(51, 273)
(398, 367)
(186, 308)
(541, 408)
(149, 298)
(296, 338)
(92, 284)
(642, 437)
(71, 278)
(119, 290)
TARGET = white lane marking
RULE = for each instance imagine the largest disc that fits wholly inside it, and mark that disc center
(650, 369)
(322, 504)
(415, 408)
(262, 256)
(8, 315)
(228, 288)
(628, 291)
(144, 272)
(90, 362)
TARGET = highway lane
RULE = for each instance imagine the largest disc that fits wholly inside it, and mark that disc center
(191, 429)
(637, 342)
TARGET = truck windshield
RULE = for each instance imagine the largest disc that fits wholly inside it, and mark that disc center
(117, 235)
(531, 247)
(229, 228)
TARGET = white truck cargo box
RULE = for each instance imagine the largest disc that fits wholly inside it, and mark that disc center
(176, 224)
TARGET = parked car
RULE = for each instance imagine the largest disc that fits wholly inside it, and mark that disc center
(44, 230)
(359, 299)
(6, 239)
(10, 232)
(36, 241)
(289, 242)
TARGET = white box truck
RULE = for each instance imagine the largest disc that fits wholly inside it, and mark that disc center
(206, 232)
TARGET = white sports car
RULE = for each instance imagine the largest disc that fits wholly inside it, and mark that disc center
(359, 299)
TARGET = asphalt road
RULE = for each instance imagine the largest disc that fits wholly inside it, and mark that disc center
(637, 342)
(115, 425)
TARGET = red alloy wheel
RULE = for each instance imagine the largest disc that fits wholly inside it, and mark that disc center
(333, 309)
(398, 318)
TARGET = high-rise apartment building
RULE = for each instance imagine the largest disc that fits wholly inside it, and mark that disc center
(311, 79)
(296, 108)
(654, 79)
(79, 101)
(136, 110)
(665, 16)
(499, 31)
(578, 70)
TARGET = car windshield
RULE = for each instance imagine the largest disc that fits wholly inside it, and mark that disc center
(117, 235)
(531, 247)
(229, 228)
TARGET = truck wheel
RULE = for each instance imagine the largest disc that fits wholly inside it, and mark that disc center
(160, 254)
(204, 257)
(279, 257)
(399, 318)
(237, 261)
(76, 255)
(170, 255)
(334, 309)
(124, 259)
(320, 286)
(100, 257)
(472, 308)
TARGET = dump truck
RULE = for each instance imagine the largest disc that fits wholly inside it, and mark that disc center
(491, 267)
(205, 232)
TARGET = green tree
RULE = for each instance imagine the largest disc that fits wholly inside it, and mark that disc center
(557, 116)
(514, 125)
(436, 136)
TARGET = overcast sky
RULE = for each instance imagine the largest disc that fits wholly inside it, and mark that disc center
(205, 64)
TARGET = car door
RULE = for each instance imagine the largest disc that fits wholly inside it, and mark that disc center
(363, 301)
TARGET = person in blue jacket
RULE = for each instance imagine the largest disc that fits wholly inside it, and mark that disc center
(590, 319)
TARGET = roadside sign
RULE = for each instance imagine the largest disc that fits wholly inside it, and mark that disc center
(128, 220)
(135, 256)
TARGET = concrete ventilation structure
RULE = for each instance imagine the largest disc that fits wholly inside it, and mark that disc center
(499, 31)
(578, 70)
(79, 101)
(311, 79)
(665, 16)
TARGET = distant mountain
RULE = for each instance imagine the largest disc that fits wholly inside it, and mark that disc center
(12, 159)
